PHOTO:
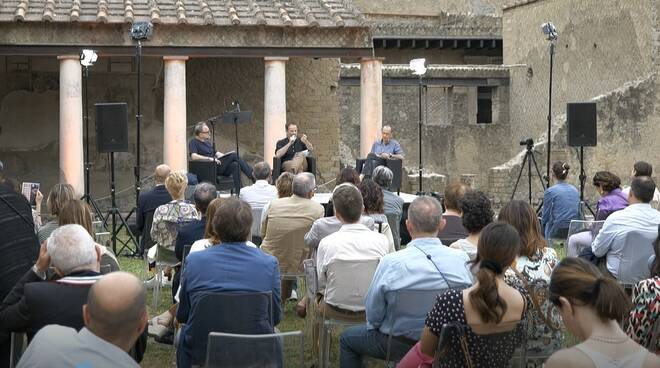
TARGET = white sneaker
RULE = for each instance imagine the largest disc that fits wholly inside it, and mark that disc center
(294, 295)
(151, 283)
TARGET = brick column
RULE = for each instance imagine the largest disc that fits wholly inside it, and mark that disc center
(174, 116)
(371, 102)
(274, 103)
(71, 123)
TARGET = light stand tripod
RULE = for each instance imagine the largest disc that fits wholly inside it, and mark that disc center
(529, 160)
(237, 116)
(87, 197)
(551, 34)
(419, 131)
(583, 179)
(113, 213)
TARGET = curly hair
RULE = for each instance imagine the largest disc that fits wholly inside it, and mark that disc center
(477, 211)
(372, 196)
(607, 181)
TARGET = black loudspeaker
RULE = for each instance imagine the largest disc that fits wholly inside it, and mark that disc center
(581, 120)
(111, 127)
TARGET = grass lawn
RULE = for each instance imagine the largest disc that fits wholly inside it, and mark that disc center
(162, 356)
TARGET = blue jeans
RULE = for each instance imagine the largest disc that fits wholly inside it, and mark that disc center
(357, 341)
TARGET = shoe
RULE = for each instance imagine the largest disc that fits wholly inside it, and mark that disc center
(294, 295)
(167, 339)
(156, 329)
(151, 283)
(301, 310)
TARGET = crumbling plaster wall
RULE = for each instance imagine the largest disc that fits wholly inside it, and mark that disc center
(429, 7)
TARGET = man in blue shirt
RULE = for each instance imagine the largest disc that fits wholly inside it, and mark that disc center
(231, 266)
(425, 265)
(385, 149)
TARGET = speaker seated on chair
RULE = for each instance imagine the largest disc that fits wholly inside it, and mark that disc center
(111, 127)
(582, 127)
(393, 164)
(277, 166)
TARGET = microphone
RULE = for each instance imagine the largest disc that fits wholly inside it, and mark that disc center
(428, 256)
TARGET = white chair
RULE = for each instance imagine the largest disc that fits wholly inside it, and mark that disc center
(225, 350)
(633, 254)
(581, 234)
(354, 277)
(256, 222)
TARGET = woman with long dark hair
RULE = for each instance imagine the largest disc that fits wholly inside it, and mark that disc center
(591, 306)
(489, 306)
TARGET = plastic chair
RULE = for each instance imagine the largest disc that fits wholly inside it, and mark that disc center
(633, 252)
(395, 165)
(237, 313)
(393, 220)
(575, 244)
(165, 257)
(355, 275)
(225, 350)
(452, 335)
(256, 225)
(18, 345)
(411, 305)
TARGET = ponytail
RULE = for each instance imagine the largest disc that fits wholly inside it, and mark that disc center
(485, 298)
(609, 299)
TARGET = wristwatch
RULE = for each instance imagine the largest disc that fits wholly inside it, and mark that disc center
(42, 275)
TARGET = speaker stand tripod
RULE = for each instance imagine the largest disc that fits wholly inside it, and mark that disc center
(114, 214)
(583, 179)
(529, 160)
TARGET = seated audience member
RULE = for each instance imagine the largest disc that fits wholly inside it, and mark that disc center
(18, 245)
(77, 212)
(534, 262)
(382, 150)
(490, 306)
(57, 198)
(286, 223)
(561, 204)
(477, 213)
(591, 306)
(149, 201)
(261, 192)
(612, 199)
(353, 242)
(225, 268)
(346, 175)
(392, 203)
(210, 237)
(646, 305)
(638, 216)
(372, 197)
(35, 302)
(194, 230)
(284, 186)
(169, 218)
(454, 228)
(115, 316)
(425, 264)
(641, 168)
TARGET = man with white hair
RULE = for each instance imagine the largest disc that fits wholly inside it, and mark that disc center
(285, 225)
(34, 303)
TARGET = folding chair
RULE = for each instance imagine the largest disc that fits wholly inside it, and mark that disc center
(225, 350)
(580, 234)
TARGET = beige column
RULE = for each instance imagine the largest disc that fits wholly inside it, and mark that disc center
(371, 102)
(174, 116)
(274, 103)
(71, 123)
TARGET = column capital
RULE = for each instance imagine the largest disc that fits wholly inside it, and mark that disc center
(174, 58)
(68, 57)
(276, 58)
(368, 59)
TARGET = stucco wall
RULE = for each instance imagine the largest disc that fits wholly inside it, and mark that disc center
(429, 7)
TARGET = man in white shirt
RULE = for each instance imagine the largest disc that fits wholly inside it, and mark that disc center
(639, 216)
(261, 192)
(115, 316)
(352, 242)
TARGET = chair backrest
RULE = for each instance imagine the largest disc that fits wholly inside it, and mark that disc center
(453, 334)
(349, 281)
(634, 255)
(311, 277)
(393, 221)
(413, 305)
(205, 170)
(165, 253)
(276, 350)
(256, 221)
(145, 240)
(395, 165)
(578, 226)
(238, 313)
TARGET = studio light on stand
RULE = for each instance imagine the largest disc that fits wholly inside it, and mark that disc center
(140, 31)
(418, 67)
(87, 59)
(551, 35)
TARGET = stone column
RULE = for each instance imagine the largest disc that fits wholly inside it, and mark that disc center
(71, 123)
(371, 102)
(274, 103)
(174, 132)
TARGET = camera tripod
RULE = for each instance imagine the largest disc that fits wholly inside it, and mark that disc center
(529, 160)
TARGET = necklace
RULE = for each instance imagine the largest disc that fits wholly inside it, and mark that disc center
(609, 340)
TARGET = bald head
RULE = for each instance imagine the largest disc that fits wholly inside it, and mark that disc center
(161, 173)
(424, 216)
(116, 309)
